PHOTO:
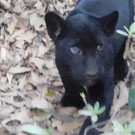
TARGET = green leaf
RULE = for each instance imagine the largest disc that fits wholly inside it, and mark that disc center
(133, 35)
(90, 108)
(82, 95)
(132, 28)
(127, 30)
(50, 93)
(122, 32)
(34, 130)
(49, 131)
(48, 116)
(132, 126)
(127, 132)
(42, 113)
(101, 110)
(86, 112)
(94, 118)
(39, 112)
(96, 107)
(131, 99)
(118, 127)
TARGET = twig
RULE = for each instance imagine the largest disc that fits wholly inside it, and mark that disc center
(96, 126)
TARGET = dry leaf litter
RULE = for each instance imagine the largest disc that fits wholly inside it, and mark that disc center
(30, 86)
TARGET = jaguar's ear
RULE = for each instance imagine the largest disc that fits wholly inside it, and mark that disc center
(56, 25)
(109, 22)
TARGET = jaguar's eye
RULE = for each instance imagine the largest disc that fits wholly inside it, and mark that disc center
(75, 50)
(100, 48)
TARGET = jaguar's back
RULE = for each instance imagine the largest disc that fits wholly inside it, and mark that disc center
(101, 8)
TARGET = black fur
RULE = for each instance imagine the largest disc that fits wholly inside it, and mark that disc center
(89, 52)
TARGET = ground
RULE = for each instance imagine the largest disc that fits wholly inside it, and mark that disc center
(30, 86)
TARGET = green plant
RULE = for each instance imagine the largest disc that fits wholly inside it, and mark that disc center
(130, 33)
(131, 99)
(83, 97)
(119, 129)
(32, 129)
(91, 111)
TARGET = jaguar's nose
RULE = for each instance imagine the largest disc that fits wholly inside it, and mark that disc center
(92, 74)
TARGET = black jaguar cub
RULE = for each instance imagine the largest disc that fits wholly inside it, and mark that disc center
(89, 52)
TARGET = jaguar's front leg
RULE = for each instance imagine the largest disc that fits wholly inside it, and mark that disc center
(105, 99)
(72, 96)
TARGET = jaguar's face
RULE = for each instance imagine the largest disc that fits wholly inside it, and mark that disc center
(82, 47)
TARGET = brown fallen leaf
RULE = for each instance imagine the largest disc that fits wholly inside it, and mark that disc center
(22, 23)
(5, 111)
(42, 50)
(18, 70)
(122, 97)
(4, 53)
(49, 63)
(37, 21)
(68, 127)
(11, 28)
(28, 36)
(9, 77)
(2, 130)
(12, 128)
(22, 115)
(18, 33)
(15, 104)
(41, 103)
(68, 110)
(5, 3)
(38, 62)
(30, 87)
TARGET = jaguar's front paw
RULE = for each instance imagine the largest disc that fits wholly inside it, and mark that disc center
(75, 101)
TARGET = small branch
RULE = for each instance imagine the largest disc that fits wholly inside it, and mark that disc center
(96, 126)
